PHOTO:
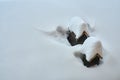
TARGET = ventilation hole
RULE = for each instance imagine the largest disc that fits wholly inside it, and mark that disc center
(72, 38)
(82, 38)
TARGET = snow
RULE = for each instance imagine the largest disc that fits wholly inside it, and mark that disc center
(59, 34)
(78, 26)
(91, 47)
(28, 54)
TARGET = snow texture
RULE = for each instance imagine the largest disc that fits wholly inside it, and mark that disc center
(91, 47)
(59, 34)
(28, 54)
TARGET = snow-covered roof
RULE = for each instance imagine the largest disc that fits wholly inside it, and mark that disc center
(78, 26)
(91, 47)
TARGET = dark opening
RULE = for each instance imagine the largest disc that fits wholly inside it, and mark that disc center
(72, 38)
(82, 38)
(94, 61)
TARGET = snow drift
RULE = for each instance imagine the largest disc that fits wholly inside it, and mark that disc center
(26, 54)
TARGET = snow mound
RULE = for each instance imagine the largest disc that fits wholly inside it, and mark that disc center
(78, 26)
(91, 47)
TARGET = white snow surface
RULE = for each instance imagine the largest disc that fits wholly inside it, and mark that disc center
(28, 54)
(91, 47)
(78, 26)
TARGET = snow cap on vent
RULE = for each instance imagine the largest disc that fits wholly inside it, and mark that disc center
(91, 47)
(78, 26)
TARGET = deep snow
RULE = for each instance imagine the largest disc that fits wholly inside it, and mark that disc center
(28, 54)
